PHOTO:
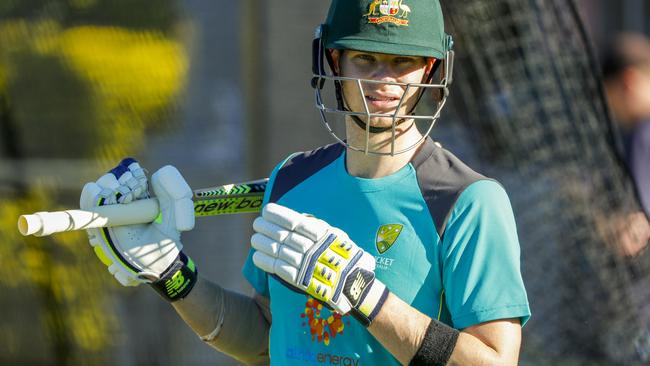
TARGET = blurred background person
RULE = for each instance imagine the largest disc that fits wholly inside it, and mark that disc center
(626, 73)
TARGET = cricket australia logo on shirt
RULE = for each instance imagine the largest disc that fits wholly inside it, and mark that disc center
(386, 236)
(391, 11)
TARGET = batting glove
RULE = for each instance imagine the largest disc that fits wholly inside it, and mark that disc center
(310, 256)
(145, 253)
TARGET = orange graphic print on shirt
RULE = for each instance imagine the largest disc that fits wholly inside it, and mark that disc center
(321, 329)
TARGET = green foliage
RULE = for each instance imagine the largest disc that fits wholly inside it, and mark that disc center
(100, 87)
(59, 297)
(82, 79)
(46, 102)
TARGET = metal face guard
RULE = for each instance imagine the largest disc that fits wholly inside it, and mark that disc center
(321, 77)
(366, 115)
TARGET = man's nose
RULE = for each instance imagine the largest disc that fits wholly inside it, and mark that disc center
(384, 72)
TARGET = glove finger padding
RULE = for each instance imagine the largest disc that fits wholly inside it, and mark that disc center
(311, 256)
(291, 220)
(124, 183)
(98, 238)
(272, 248)
(173, 191)
(103, 240)
(275, 258)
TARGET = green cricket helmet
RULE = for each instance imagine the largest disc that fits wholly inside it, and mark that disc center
(398, 27)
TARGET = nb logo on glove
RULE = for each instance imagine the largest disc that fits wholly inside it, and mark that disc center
(357, 287)
(175, 283)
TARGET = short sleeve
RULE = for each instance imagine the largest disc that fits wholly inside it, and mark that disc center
(481, 258)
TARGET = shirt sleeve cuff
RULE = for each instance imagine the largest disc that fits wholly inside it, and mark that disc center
(481, 316)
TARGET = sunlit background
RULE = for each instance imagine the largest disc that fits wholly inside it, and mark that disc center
(220, 89)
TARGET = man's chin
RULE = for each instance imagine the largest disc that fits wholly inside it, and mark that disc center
(385, 123)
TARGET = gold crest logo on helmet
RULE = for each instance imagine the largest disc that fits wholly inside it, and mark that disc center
(391, 11)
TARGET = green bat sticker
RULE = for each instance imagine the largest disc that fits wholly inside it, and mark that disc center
(386, 236)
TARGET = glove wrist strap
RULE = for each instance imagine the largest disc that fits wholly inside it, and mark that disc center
(178, 280)
(366, 293)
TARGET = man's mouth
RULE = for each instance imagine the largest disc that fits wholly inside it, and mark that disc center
(382, 101)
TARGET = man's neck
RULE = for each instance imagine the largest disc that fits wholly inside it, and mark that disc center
(360, 164)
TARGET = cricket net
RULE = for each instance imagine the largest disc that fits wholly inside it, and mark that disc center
(528, 97)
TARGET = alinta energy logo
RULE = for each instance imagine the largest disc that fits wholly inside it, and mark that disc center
(308, 357)
(391, 11)
(323, 325)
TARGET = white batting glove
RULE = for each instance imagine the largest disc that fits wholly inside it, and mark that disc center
(310, 256)
(145, 253)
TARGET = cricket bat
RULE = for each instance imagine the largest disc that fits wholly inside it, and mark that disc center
(226, 199)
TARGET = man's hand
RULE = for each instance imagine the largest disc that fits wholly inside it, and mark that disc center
(149, 253)
(310, 256)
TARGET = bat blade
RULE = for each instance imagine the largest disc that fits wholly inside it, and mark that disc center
(230, 199)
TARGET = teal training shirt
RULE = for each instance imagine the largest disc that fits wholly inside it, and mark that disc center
(444, 240)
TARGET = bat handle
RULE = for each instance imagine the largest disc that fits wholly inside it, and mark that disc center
(46, 223)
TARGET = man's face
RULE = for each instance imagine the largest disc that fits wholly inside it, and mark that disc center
(381, 97)
(628, 95)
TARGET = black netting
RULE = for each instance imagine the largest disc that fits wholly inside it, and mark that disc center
(528, 95)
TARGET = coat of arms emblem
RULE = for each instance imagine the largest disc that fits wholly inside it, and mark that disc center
(391, 11)
(390, 8)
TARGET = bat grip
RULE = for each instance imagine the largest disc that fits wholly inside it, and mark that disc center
(46, 223)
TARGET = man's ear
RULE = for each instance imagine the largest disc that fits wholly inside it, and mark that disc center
(335, 58)
(431, 62)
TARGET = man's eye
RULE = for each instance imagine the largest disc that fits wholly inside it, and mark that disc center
(403, 60)
(365, 58)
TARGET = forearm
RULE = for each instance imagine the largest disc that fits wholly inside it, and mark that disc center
(242, 329)
(401, 330)
(401, 335)
(470, 350)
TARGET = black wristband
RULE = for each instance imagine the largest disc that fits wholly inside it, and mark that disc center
(178, 280)
(437, 345)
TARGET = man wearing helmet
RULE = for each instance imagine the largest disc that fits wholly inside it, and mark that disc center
(380, 249)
